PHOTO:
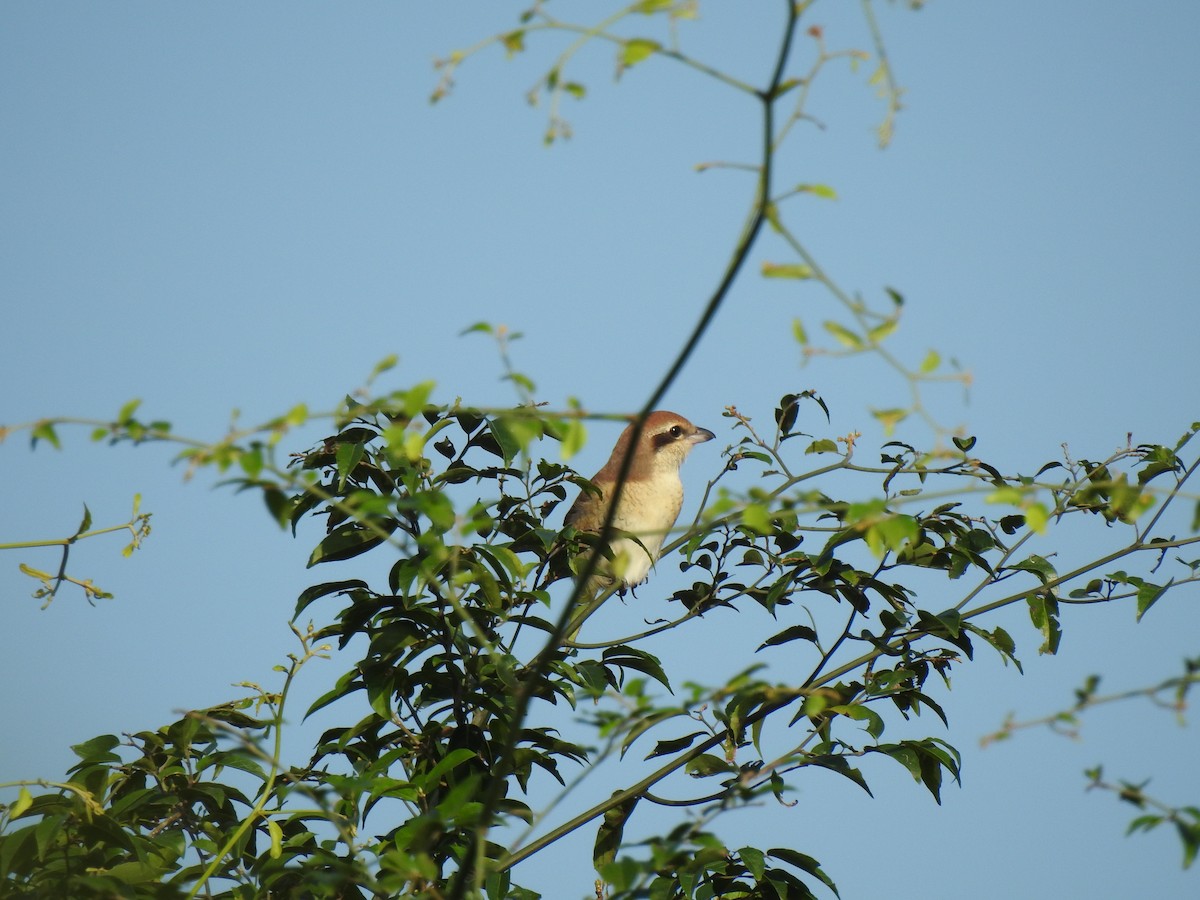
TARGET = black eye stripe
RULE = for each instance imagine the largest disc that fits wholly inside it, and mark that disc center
(669, 436)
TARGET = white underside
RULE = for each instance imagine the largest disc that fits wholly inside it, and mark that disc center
(631, 563)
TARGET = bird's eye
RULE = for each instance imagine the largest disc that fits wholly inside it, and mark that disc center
(676, 431)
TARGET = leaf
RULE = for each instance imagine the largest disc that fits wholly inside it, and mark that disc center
(573, 438)
(298, 414)
(44, 431)
(23, 802)
(805, 864)
(824, 191)
(924, 760)
(892, 532)
(348, 456)
(931, 361)
(276, 839)
(126, 412)
(347, 541)
(317, 591)
(757, 518)
(98, 749)
(1043, 612)
(754, 860)
(610, 832)
(1037, 517)
(706, 765)
(635, 50)
(796, 270)
(786, 413)
(628, 658)
(838, 764)
(514, 42)
(1147, 596)
(799, 333)
(882, 330)
(860, 713)
(650, 7)
(416, 397)
(1189, 835)
(662, 748)
(1039, 566)
(794, 633)
(844, 335)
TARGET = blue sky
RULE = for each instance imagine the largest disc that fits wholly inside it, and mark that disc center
(211, 207)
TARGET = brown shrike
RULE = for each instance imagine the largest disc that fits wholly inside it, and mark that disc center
(650, 498)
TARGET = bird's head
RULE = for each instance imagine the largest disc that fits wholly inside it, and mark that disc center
(666, 440)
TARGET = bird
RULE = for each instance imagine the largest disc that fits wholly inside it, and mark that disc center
(650, 498)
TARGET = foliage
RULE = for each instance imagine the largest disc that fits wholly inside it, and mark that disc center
(454, 596)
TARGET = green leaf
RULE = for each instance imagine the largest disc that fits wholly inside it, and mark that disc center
(799, 333)
(892, 532)
(796, 270)
(860, 713)
(1189, 835)
(514, 42)
(389, 362)
(1147, 596)
(23, 802)
(706, 765)
(126, 412)
(611, 831)
(794, 633)
(838, 764)
(86, 522)
(416, 397)
(924, 760)
(1043, 612)
(1037, 517)
(98, 749)
(276, 834)
(844, 335)
(573, 439)
(805, 864)
(662, 748)
(882, 330)
(347, 541)
(628, 658)
(1039, 566)
(635, 50)
(757, 518)
(348, 456)
(44, 431)
(449, 762)
(931, 361)
(514, 434)
(824, 191)
(754, 860)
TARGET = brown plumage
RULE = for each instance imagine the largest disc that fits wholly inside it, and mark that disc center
(651, 497)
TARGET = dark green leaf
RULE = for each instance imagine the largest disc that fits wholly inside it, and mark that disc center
(610, 832)
(1147, 596)
(794, 633)
(804, 863)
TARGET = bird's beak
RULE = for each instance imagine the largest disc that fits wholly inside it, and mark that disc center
(700, 435)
